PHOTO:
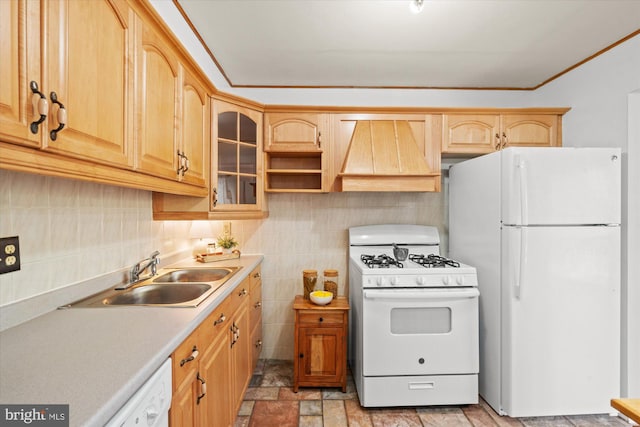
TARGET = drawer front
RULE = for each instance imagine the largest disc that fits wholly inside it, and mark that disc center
(256, 307)
(185, 359)
(217, 322)
(256, 277)
(319, 318)
(239, 295)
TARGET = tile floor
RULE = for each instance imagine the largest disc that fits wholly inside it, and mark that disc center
(271, 402)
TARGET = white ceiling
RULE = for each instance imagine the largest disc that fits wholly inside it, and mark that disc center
(380, 43)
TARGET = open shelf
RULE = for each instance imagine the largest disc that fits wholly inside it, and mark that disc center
(294, 172)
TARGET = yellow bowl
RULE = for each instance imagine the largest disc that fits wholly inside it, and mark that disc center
(321, 297)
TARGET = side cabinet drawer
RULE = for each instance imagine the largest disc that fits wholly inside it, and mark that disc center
(317, 318)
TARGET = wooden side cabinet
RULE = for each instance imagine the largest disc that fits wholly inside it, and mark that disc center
(320, 344)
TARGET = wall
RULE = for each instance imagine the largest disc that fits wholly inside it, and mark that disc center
(71, 231)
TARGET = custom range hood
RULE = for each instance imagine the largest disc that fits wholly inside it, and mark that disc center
(383, 155)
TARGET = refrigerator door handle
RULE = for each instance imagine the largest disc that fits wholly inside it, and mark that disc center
(524, 190)
(522, 263)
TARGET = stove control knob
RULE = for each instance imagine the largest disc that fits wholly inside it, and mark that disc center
(380, 281)
(446, 280)
(420, 281)
(395, 281)
(460, 280)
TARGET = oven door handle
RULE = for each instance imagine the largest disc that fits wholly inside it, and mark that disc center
(394, 294)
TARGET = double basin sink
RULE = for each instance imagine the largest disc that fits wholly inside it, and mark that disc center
(174, 287)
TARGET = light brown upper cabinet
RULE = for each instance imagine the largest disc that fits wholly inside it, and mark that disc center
(297, 152)
(236, 173)
(386, 152)
(173, 111)
(101, 91)
(236, 190)
(70, 95)
(470, 133)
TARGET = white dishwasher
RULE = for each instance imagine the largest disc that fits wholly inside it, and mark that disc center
(149, 406)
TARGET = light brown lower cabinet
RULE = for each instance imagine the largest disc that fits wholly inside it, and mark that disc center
(213, 366)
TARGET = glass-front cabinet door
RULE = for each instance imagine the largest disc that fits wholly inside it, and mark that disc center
(237, 167)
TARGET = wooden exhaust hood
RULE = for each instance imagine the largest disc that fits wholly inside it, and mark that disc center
(383, 155)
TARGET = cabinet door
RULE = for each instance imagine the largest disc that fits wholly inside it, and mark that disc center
(530, 130)
(195, 127)
(156, 106)
(86, 63)
(215, 408)
(183, 406)
(320, 354)
(295, 132)
(236, 169)
(470, 133)
(20, 50)
(241, 355)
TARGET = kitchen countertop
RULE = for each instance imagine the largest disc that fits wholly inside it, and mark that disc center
(94, 359)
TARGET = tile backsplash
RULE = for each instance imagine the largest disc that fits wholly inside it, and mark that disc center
(71, 231)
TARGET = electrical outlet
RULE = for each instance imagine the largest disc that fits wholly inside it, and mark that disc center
(226, 229)
(9, 254)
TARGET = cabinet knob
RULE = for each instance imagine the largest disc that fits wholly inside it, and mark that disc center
(321, 320)
(258, 304)
(301, 356)
(242, 293)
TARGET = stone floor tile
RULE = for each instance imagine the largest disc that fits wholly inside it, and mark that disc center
(357, 416)
(546, 422)
(262, 393)
(333, 413)
(277, 373)
(241, 421)
(246, 407)
(267, 413)
(443, 416)
(601, 420)
(478, 416)
(397, 417)
(286, 393)
(501, 421)
(311, 407)
(311, 421)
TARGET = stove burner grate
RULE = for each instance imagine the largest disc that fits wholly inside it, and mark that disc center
(380, 261)
(433, 261)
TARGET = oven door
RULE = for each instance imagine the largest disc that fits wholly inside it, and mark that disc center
(420, 331)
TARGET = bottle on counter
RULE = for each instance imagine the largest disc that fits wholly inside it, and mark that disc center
(309, 280)
(331, 281)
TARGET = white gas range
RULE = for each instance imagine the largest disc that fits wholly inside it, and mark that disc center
(414, 319)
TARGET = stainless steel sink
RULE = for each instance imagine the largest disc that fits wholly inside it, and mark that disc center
(165, 294)
(196, 275)
(178, 287)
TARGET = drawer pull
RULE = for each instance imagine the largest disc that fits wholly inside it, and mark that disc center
(62, 116)
(219, 320)
(194, 355)
(40, 106)
(203, 388)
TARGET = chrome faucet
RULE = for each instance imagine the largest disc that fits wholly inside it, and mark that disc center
(139, 267)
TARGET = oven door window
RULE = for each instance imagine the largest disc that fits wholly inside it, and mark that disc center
(420, 320)
(420, 331)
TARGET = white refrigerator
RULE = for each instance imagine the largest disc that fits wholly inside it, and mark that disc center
(542, 228)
